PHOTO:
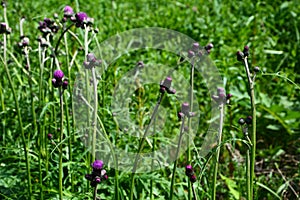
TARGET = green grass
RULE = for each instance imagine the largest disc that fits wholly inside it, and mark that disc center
(271, 30)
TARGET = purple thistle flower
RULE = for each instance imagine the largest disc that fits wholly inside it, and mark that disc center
(68, 11)
(97, 165)
(58, 75)
(81, 18)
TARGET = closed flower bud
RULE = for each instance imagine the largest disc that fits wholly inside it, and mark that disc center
(91, 57)
(241, 121)
(193, 178)
(140, 64)
(171, 91)
(180, 116)
(65, 85)
(195, 46)
(189, 171)
(167, 82)
(248, 120)
(228, 96)
(256, 69)
(239, 56)
(191, 54)
(209, 46)
(50, 136)
(185, 108)
(246, 51)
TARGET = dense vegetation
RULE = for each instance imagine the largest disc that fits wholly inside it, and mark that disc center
(44, 145)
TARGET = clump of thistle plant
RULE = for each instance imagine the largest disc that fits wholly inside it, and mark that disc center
(221, 99)
(97, 176)
(243, 57)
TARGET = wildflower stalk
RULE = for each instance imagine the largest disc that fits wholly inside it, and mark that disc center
(60, 142)
(190, 120)
(194, 192)
(142, 143)
(95, 192)
(95, 113)
(253, 135)
(25, 147)
(176, 158)
(70, 139)
(248, 178)
(215, 170)
(152, 161)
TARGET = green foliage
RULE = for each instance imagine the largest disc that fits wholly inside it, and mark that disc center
(269, 28)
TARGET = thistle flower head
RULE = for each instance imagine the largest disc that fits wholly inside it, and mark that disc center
(185, 108)
(97, 165)
(58, 74)
(68, 11)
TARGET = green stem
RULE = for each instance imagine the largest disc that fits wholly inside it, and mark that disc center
(194, 192)
(152, 161)
(215, 170)
(253, 135)
(95, 192)
(176, 158)
(26, 150)
(142, 143)
(190, 121)
(60, 143)
(67, 111)
(248, 174)
(94, 114)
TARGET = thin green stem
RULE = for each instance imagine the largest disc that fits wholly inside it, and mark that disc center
(215, 170)
(190, 121)
(142, 143)
(67, 111)
(94, 114)
(153, 154)
(248, 179)
(60, 143)
(26, 150)
(194, 192)
(253, 135)
(176, 158)
(95, 192)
